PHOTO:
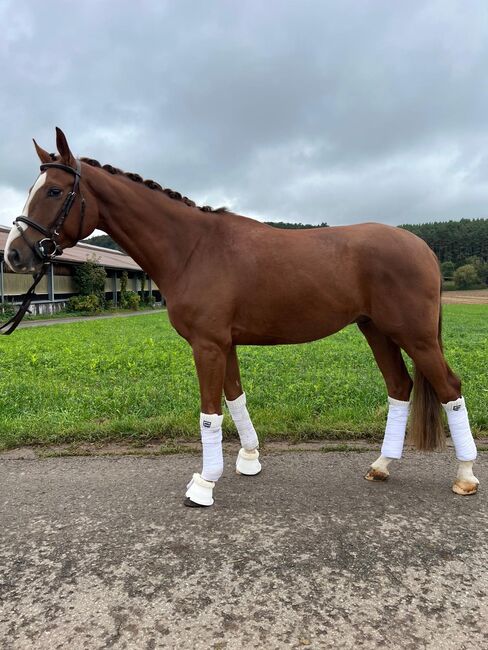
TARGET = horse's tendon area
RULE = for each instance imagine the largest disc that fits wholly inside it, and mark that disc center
(93, 556)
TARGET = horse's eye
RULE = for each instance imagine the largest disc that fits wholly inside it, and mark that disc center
(54, 191)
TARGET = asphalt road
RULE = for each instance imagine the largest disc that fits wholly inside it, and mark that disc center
(100, 553)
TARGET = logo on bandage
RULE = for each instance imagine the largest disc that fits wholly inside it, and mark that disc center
(457, 407)
(207, 424)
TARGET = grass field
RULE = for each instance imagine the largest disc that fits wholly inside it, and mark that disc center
(134, 378)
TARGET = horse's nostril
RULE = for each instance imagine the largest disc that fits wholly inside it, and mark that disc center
(14, 257)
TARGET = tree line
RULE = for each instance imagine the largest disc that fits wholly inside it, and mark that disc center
(454, 241)
(462, 249)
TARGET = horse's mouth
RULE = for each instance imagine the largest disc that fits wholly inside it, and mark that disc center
(17, 265)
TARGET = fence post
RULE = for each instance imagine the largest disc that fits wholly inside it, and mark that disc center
(114, 288)
(2, 287)
(50, 283)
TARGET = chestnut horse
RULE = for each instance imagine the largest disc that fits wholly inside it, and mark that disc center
(229, 280)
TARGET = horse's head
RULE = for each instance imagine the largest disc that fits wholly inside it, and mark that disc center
(55, 215)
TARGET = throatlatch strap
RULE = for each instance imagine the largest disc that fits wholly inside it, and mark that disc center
(15, 320)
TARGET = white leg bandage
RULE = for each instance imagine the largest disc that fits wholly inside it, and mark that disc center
(396, 426)
(462, 438)
(245, 429)
(211, 432)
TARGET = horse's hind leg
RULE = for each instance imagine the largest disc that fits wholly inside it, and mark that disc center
(399, 385)
(436, 384)
(248, 458)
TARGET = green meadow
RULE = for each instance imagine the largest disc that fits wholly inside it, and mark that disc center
(134, 379)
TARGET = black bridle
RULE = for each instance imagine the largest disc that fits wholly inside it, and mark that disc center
(48, 248)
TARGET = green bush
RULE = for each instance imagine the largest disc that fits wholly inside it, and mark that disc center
(483, 273)
(124, 279)
(466, 277)
(447, 269)
(90, 279)
(89, 304)
(7, 310)
(448, 285)
(130, 300)
(481, 268)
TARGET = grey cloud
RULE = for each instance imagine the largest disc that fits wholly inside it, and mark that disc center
(339, 111)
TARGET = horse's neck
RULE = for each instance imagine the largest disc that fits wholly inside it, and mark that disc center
(158, 232)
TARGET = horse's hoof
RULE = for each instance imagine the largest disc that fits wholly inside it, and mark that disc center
(376, 475)
(247, 473)
(248, 462)
(464, 488)
(199, 492)
(191, 504)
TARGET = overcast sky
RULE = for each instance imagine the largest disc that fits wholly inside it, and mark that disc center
(311, 111)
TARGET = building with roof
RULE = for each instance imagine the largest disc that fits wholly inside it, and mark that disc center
(58, 284)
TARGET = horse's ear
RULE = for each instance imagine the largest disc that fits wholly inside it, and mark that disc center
(44, 157)
(63, 148)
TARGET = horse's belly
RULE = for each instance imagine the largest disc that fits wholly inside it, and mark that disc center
(291, 328)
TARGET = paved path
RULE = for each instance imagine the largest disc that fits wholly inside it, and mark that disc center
(100, 553)
(76, 319)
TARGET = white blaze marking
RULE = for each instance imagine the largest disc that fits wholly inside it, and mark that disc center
(19, 228)
(39, 183)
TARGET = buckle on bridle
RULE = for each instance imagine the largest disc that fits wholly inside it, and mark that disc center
(47, 248)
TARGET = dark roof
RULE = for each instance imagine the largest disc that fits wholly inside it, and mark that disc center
(82, 252)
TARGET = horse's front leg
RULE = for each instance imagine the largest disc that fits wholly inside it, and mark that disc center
(210, 362)
(248, 458)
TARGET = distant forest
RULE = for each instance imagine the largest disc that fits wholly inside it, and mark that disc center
(455, 241)
(103, 240)
(452, 241)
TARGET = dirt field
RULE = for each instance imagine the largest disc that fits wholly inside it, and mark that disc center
(475, 297)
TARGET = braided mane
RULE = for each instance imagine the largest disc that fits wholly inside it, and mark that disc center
(149, 183)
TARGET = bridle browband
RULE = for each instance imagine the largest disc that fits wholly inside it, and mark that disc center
(48, 248)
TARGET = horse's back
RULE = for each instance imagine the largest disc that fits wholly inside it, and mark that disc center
(338, 253)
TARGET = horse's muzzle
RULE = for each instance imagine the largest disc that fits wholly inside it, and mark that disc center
(13, 259)
(22, 262)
